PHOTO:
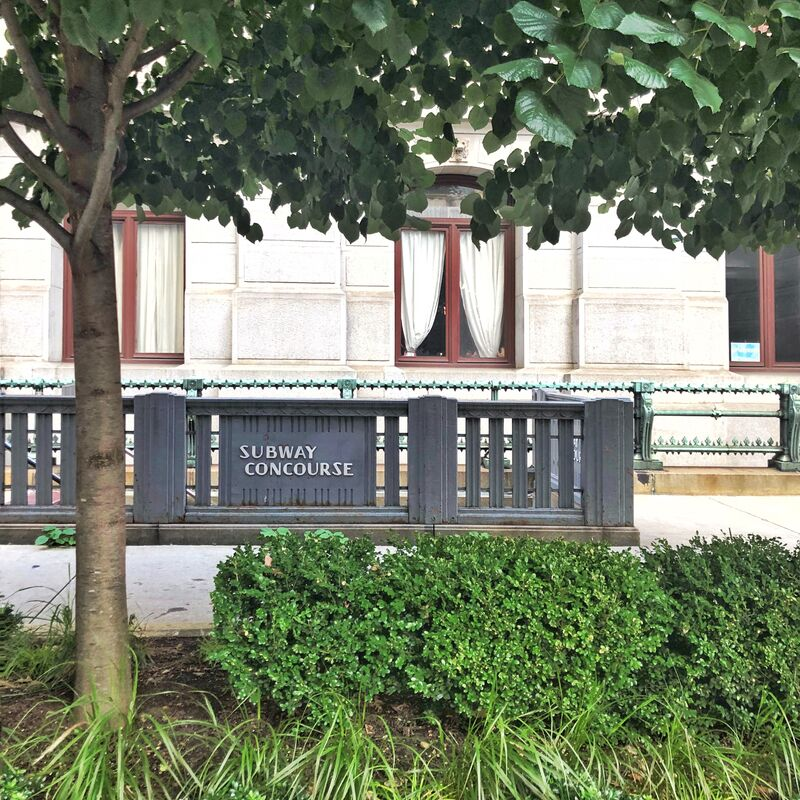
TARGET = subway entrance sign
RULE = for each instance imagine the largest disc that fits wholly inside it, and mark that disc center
(298, 460)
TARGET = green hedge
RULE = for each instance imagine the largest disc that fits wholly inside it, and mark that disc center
(735, 637)
(475, 622)
(524, 624)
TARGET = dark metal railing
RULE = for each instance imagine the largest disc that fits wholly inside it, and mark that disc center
(422, 461)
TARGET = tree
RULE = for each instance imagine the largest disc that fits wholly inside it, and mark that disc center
(681, 115)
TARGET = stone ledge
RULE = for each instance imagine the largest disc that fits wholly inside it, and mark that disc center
(234, 534)
(750, 481)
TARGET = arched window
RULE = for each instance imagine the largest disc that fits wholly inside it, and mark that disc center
(763, 308)
(454, 302)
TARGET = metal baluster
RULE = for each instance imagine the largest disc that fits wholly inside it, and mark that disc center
(496, 465)
(566, 463)
(391, 461)
(2, 457)
(44, 459)
(473, 463)
(202, 470)
(19, 459)
(519, 462)
(67, 459)
(541, 462)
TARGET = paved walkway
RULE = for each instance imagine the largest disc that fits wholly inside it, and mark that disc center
(168, 587)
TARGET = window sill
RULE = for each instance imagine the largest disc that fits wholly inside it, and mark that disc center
(428, 361)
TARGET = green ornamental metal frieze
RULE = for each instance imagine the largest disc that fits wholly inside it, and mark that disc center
(786, 451)
(718, 446)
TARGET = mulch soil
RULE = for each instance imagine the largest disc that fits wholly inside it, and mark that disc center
(176, 682)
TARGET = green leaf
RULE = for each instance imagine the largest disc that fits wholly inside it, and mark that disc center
(673, 134)
(585, 74)
(255, 234)
(535, 21)
(283, 142)
(11, 83)
(518, 70)
(441, 150)
(605, 16)
(394, 215)
(147, 11)
(375, 14)
(642, 73)
(75, 26)
(705, 93)
(399, 49)
(650, 29)
(616, 58)
(236, 123)
(108, 18)
(478, 118)
(579, 71)
(539, 119)
(43, 539)
(737, 29)
(792, 52)
(787, 8)
(199, 29)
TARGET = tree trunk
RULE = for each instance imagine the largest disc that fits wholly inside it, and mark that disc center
(103, 658)
(103, 674)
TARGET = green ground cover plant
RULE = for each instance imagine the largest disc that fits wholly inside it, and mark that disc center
(41, 650)
(473, 622)
(55, 536)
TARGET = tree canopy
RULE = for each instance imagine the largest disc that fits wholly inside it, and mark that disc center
(681, 115)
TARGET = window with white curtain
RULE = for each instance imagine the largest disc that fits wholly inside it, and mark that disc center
(159, 288)
(454, 303)
(149, 270)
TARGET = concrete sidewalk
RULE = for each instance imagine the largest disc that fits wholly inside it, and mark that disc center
(168, 587)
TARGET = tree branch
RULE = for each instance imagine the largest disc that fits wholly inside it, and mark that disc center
(35, 164)
(170, 84)
(62, 132)
(104, 171)
(155, 53)
(31, 121)
(35, 213)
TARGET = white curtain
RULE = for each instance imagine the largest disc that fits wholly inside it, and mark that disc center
(482, 275)
(423, 267)
(117, 232)
(159, 288)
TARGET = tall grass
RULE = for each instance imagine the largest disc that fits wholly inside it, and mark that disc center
(494, 758)
(44, 653)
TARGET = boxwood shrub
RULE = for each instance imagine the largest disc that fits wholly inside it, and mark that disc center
(735, 639)
(470, 621)
(527, 625)
(476, 622)
(299, 619)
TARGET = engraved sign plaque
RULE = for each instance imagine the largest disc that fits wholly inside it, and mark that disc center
(297, 461)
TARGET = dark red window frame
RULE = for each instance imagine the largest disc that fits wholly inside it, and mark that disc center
(129, 264)
(452, 227)
(766, 293)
